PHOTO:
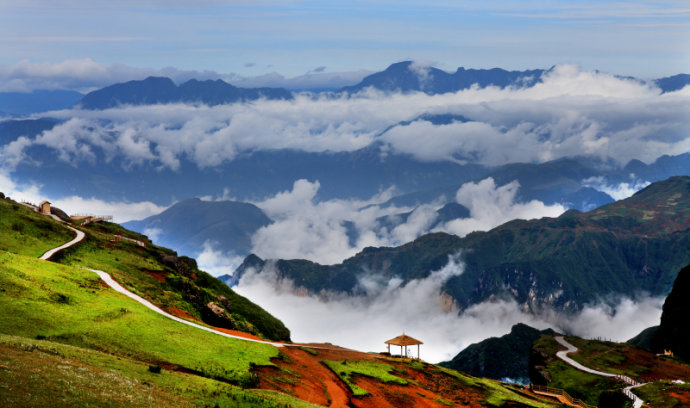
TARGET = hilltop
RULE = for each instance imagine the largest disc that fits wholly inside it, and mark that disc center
(189, 224)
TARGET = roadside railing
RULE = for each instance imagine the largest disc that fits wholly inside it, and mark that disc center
(542, 389)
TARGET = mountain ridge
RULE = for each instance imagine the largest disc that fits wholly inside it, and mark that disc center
(162, 90)
(563, 263)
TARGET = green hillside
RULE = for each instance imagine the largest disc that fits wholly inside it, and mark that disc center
(627, 247)
(666, 378)
(499, 357)
(171, 282)
(68, 340)
(24, 231)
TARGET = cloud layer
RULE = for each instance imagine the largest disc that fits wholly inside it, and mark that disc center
(572, 113)
(316, 230)
(417, 309)
(85, 75)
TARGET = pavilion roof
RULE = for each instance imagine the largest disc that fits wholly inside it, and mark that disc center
(403, 340)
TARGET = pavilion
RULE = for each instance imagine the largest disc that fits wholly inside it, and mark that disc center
(403, 341)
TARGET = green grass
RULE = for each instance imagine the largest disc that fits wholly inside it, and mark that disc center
(70, 305)
(43, 373)
(584, 386)
(184, 287)
(347, 370)
(498, 393)
(23, 231)
(308, 350)
(606, 356)
(599, 355)
(657, 394)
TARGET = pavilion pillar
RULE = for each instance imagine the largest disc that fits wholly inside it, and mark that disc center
(417, 351)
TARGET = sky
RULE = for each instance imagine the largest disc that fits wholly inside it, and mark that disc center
(647, 39)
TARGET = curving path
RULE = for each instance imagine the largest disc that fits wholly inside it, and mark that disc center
(49, 254)
(563, 355)
(117, 287)
(113, 284)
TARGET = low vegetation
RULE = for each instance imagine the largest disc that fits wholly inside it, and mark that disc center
(580, 385)
(43, 373)
(70, 305)
(171, 282)
(498, 394)
(348, 370)
(24, 231)
(665, 394)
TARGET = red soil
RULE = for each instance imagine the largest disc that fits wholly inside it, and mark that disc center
(237, 333)
(158, 275)
(182, 314)
(683, 397)
(302, 374)
(185, 315)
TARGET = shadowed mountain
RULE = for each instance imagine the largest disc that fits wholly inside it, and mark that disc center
(189, 224)
(499, 357)
(673, 83)
(158, 90)
(627, 247)
(674, 333)
(407, 76)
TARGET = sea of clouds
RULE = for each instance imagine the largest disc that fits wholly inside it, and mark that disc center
(313, 230)
(365, 322)
(570, 113)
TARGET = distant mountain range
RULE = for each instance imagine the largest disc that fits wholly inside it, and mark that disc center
(630, 246)
(405, 76)
(408, 76)
(230, 227)
(157, 90)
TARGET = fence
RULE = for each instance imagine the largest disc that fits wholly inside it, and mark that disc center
(541, 389)
(118, 238)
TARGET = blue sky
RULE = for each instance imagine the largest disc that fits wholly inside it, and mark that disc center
(250, 38)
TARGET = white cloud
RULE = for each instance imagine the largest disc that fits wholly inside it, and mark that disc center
(418, 309)
(85, 75)
(570, 113)
(215, 262)
(491, 205)
(306, 228)
(618, 191)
